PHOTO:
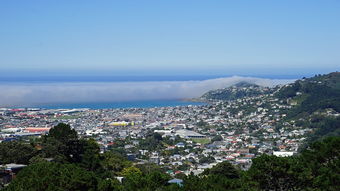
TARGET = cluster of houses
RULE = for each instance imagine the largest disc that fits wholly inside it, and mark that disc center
(198, 136)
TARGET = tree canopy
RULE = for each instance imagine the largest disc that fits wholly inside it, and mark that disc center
(78, 165)
(51, 176)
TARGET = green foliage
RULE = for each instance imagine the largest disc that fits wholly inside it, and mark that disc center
(317, 168)
(319, 92)
(152, 142)
(63, 133)
(146, 179)
(319, 97)
(109, 185)
(213, 183)
(131, 172)
(240, 90)
(63, 145)
(315, 95)
(201, 123)
(157, 136)
(223, 169)
(36, 159)
(90, 158)
(148, 168)
(172, 141)
(289, 91)
(201, 141)
(322, 158)
(80, 166)
(217, 138)
(278, 173)
(114, 163)
(16, 152)
(155, 179)
(207, 159)
(325, 126)
(50, 148)
(50, 176)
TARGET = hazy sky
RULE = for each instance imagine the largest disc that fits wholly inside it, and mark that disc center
(170, 37)
(35, 94)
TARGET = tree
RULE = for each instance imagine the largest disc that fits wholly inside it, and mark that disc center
(50, 148)
(157, 136)
(63, 133)
(224, 169)
(147, 168)
(62, 144)
(51, 176)
(217, 138)
(135, 179)
(109, 185)
(132, 178)
(152, 142)
(208, 159)
(90, 158)
(193, 183)
(131, 172)
(114, 163)
(36, 159)
(279, 173)
(16, 152)
(155, 180)
(322, 158)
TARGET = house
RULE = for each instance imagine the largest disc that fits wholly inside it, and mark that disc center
(8, 172)
(283, 153)
(180, 145)
(176, 181)
(186, 134)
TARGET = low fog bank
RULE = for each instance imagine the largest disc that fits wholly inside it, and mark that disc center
(34, 94)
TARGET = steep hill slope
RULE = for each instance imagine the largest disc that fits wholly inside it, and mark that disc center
(316, 104)
(239, 90)
(312, 94)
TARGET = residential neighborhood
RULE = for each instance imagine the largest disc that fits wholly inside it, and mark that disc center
(182, 139)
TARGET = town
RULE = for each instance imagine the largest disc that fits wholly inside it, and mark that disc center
(182, 139)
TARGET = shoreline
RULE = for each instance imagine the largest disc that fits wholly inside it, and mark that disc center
(113, 105)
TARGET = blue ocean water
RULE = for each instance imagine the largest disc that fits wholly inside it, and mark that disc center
(51, 79)
(125, 104)
(66, 79)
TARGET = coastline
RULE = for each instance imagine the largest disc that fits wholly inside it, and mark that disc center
(117, 105)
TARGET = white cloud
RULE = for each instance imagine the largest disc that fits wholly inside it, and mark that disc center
(31, 94)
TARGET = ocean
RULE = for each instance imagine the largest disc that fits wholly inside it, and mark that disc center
(102, 92)
(125, 104)
(69, 79)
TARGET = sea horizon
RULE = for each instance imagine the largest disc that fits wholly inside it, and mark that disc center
(114, 104)
(53, 92)
(26, 79)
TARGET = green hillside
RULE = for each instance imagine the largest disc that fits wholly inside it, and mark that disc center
(312, 94)
(316, 103)
(239, 90)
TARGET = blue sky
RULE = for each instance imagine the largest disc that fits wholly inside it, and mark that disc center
(169, 37)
